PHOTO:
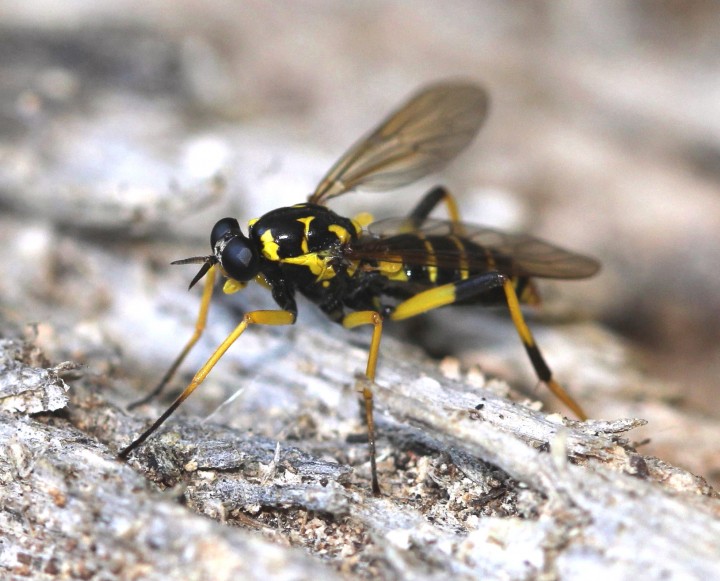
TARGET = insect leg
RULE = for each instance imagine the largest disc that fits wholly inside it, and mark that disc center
(475, 286)
(354, 320)
(538, 361)
(430, 202)
(199, 328)
(251, 318)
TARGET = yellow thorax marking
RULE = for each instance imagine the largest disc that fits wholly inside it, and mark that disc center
(269, 246)
(342, 234)
(251, 223)
(362, 220)
(320, 267)
(304, 242)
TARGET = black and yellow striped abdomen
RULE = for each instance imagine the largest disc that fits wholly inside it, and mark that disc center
(417, 262)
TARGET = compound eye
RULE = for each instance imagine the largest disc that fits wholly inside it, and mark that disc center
(239, 259)
(222, 228)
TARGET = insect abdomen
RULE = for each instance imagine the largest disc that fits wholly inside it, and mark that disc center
(432, 261)
(437, 260)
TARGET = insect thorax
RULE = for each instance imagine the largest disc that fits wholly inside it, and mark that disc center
(304, 239)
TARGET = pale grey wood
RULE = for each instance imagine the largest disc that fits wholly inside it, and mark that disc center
(115, 124)
(69, 507)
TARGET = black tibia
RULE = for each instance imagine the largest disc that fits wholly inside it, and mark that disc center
(427, 205)
(538, 362)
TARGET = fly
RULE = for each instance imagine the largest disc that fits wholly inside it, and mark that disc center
(394, 270)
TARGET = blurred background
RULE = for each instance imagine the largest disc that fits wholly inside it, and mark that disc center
(128, 128)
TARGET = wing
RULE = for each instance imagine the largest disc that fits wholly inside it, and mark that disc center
(451, 245)
(419, 138)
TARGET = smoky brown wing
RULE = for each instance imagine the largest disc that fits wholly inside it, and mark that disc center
(421, 137)
(476, 247)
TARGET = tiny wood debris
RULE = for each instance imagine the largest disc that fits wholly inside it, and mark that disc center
(27, 384)
(475, 486)
(124, 138)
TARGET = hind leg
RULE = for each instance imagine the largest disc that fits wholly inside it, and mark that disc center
(474, 287)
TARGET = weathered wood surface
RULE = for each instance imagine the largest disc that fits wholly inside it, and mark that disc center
(496, 492)
(125, 134)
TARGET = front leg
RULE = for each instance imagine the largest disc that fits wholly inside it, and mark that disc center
(251, 318)
(199, 328)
